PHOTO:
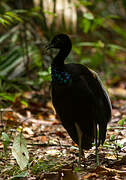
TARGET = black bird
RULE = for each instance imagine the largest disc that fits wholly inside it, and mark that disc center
(79, 98)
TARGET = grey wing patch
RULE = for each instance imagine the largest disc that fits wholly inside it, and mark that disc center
(103, 88)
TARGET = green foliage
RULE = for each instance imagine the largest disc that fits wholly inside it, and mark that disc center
(121, 122)
(86, 22)
(8, 18)
(13, 171)
(8, 97)
(19, 151)
(100, 43)
(116, 145)
(20, 175)
(50, 165)
(112, 137)
(102, 24)
(15, 61)
(5, 142)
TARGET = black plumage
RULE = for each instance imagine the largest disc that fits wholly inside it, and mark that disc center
(79, 97)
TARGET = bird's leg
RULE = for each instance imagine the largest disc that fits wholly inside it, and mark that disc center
(79, 133)
(96, 144)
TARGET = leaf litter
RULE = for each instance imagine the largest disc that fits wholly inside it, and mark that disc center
(52, 153)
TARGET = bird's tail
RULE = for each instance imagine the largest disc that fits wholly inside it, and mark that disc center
(87, 141)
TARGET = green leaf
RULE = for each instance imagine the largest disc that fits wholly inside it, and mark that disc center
(24, 103)
(5, 137)
(10, 61)
(5, 142)
(7, 35)
(121, 122)
(77, 50)
(8, 18)
(119, 145)
(50, 13)
(116, 47)
(88, 16)
(6, 96)
(4, 21)
(13, 15)
(112, 137)
(90, 44)
(98, 44)
(86, 25)
(20, 151)
(20, 175)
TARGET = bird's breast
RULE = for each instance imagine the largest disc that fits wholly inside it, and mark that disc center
(60, 77)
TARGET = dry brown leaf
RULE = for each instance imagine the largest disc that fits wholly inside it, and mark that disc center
(44, 139)
(119, 92)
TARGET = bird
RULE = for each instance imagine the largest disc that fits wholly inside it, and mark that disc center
(79, 98)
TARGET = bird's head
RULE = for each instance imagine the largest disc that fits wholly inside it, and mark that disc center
(60, 41)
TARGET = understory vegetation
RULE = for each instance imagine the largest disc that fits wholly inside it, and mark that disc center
(98, 32)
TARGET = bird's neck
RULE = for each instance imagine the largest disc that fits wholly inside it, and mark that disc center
(58, 61)
(59, 76)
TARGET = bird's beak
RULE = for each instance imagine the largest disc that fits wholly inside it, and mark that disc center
(49, 46)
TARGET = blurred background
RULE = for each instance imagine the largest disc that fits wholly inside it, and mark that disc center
(97, 29)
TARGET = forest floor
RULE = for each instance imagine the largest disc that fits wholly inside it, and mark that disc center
(53, 155)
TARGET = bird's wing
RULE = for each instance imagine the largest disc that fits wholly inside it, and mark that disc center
(102, 94)
(98, 94)
(103, 104)
(91, 80)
